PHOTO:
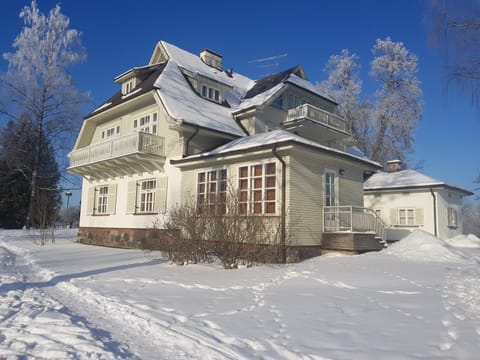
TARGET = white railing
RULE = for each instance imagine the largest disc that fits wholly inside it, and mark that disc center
(352, 219)
(314, 113)
(138, 142)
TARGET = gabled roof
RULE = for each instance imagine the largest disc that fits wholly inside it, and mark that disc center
(268, 140)
(406, 179)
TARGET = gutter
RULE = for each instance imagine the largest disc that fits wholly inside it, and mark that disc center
(434, 212)
(283, 205)
(185, 150)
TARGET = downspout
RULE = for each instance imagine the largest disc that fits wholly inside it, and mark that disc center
(434, 212)
(283, 206)
(185, 150)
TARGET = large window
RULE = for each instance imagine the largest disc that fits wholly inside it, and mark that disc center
(146, 123)
(257, 189)
(147, 196)
(212, 191)
(406, 216)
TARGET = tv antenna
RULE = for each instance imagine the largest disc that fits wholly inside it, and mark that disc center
(269, 63)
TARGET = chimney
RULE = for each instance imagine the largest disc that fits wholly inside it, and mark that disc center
(211, 58)
(394, 166)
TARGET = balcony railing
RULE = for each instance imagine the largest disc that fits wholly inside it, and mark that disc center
(352, 219)
(316, 114)
(138, 142)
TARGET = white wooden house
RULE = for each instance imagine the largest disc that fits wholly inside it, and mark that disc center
(182, 126)
(407, 200)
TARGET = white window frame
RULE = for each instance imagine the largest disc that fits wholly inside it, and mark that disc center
(211, 93)
(255, 189)
(111, 131)
(211, 190)
(409, 216)
(147, 123)
(146, 196)
(452, 218)
(101, 205)
(330, 191)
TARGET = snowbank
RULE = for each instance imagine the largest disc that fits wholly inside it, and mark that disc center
(422, 246)
(466, 241)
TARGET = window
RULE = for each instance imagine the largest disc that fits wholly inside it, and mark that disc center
(147, 196)
(330, 189)
(406, 216)
(146, 123)
(257, 189)
(111, 131)
(212, 191)
(452, 218)
(210, 93)
(101, 199)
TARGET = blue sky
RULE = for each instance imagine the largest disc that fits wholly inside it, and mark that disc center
(120, 35)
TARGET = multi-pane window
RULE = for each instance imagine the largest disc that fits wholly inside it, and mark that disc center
(406, 216)
(212, 191)
(147, 196)
(257, 189)
(102, 199)
(146, 123)
(210, 93)
(452, 217)
(330, 189)
(111, 131)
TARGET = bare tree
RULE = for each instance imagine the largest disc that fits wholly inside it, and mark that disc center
(37, 82)
(455, 27)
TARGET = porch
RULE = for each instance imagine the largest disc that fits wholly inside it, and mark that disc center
(352, 229)
(137, 152)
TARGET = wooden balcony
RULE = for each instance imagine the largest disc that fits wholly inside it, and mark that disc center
(316, 124)
(124, 155)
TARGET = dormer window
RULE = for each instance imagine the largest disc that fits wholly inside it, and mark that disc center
(211, 93)
(128, 86)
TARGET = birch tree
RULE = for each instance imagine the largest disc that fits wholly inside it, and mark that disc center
(398, 101)
(455, 27)
(344, 86)
(37, 83)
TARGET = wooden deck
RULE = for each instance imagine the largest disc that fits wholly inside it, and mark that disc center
(354, 243)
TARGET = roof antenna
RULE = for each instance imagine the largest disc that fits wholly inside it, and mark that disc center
(270, 63)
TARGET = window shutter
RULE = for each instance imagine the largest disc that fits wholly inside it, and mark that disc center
(393, 217)
(161, 195)
(419, 216)
(132, 197)
(112, 198)
(91, 200)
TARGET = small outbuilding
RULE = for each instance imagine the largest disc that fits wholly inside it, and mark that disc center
(407, 200)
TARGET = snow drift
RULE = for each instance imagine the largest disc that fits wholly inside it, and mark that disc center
(466, 241)
(422, 246)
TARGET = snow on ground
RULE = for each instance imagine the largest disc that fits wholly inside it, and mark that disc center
(67, 300)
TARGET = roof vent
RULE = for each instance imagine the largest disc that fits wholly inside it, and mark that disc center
(394, 166)
(211, 58)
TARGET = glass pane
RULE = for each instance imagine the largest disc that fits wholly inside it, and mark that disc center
(257, 183)
(270, 168)
(270, 194)
(270, 182)
(243, 172)
(270, 208)
(257, 195)
(257, 208)
(201, 177)
(257, 170)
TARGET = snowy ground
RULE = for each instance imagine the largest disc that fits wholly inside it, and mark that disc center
(419, 299)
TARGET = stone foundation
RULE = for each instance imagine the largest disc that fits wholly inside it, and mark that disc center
(149, 239)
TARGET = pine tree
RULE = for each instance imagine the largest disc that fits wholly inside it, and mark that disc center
(16, 167)
(37, 83)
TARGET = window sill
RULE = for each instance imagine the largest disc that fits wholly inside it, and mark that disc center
(406, 226)
(146, 213)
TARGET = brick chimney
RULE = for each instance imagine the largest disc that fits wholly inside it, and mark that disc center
(211, 58)
(394, 166)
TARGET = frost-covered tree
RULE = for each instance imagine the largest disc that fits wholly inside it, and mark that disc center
(398, 101)
(38, 84)
(344, 86)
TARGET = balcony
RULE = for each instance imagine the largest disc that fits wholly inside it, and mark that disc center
(316, 124)
(352, 228)
(124, 155)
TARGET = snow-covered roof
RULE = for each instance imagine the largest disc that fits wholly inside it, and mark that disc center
(269, 139)
(404, 179)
